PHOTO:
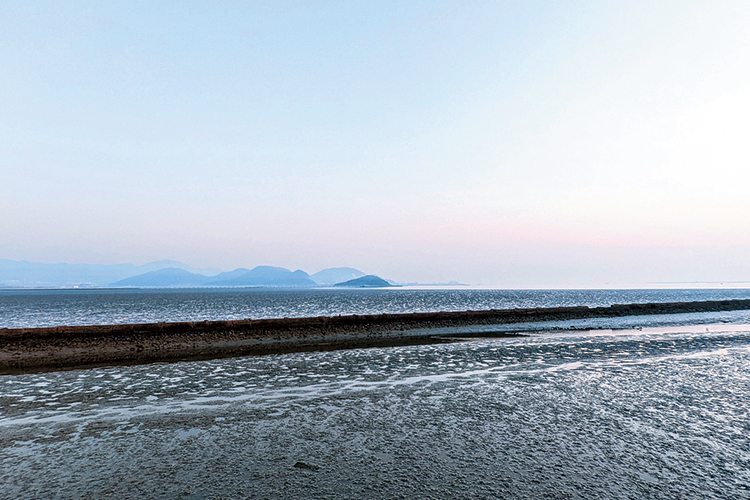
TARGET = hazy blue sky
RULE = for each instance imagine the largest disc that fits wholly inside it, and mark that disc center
(504, 143)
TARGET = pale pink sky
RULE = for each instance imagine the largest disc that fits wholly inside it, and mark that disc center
(512, 145)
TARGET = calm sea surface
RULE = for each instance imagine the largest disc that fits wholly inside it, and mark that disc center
(29, 308)
(657, 408)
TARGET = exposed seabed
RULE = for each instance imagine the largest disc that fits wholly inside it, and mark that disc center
(29, 350)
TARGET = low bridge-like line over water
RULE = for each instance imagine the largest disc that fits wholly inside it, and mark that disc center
(69, 347)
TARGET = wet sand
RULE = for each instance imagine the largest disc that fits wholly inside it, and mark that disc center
(69, 347)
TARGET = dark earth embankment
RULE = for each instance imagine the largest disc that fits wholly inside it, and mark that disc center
(68, 347)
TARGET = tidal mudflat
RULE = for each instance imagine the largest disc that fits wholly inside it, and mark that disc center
(648, 406)
(657, 408)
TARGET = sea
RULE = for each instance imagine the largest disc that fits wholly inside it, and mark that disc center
(613, 408)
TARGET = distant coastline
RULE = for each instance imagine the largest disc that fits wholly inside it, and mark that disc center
(168, 274)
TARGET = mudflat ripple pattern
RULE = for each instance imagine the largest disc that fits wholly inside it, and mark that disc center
(564, 415)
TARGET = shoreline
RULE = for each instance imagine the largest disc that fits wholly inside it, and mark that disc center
(27, 350)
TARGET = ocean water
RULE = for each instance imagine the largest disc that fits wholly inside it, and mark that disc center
(657, 407)
(35, 308)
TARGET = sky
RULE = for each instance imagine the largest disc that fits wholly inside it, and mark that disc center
(506, 144)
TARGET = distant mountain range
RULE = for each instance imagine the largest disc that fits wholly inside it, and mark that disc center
(258, 276)
(23, 274)
(262, 276)
(170, 276)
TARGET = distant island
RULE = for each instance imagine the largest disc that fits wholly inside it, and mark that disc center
(336, 275)
(172, 274)
(369, 281)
